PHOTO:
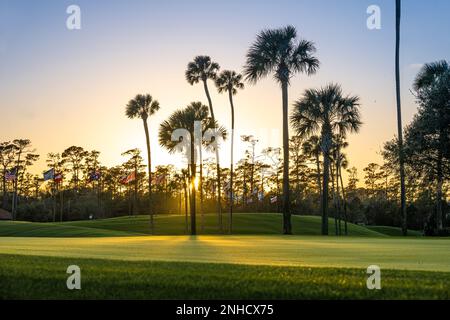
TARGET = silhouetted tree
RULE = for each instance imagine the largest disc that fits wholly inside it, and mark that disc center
(278, 51)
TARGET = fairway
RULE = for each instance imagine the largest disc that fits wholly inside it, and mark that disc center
(117, 254)
(396, 253)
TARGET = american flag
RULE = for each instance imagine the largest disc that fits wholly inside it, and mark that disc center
(11, 175)
(128, 178)
(58, 177)
(94, 176)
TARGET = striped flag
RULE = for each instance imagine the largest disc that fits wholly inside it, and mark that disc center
(58, 177)
(11, 175)
(159, 179)
(273, 199)
(49, 175)
(128, 178)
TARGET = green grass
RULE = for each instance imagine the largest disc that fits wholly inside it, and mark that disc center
(29, 277)
(276, 250)
(33, 229)
(119, 260)
(243, 223)
(394, 231)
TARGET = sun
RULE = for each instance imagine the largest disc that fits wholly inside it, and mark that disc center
(196, 182)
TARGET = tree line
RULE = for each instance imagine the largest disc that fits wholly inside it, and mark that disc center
(304, 176)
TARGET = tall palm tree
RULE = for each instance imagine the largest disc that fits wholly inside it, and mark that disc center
(399, 119)
(185, 119)
(230, 81)
(202, 69)
(143, 106)
(325, 111)
(278, 51)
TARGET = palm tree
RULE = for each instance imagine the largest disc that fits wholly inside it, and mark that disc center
(430, 76)
(325, 111)
(278, 51)
(399, 119)
(143, 106)
(230, 81)
(202, 69)
(185, 119)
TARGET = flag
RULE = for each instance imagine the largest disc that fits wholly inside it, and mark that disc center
(273, 199)
(58, 177)
(159, 179)
(11, 175)
(128, 178)
(94, 176)
(50, 174)
(260, 196)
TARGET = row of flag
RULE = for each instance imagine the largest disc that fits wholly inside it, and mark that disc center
(273, 199)
(51, 175)
(126, 179)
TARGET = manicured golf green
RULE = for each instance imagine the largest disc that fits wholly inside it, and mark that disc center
(119, 259)
(351, 252)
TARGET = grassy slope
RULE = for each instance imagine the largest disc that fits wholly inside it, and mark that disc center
(393, 231)
(30, 229)
(245, 223)
(28, 277)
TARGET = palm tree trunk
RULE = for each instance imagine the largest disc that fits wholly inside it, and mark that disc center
(200, 187)
(186, 197)
(326, 173)
(333, 192)
(338, 194)
(344, 198)
(319, 184)
(192, 188)
(149, 162)
(399, 119)
(219, 204)
(287, 227)
(211, 111)
(230, 227)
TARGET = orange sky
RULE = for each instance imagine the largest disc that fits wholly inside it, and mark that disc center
(61, 88)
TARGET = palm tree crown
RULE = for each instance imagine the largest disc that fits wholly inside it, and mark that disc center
(326, 110)
(278, 51)
(141, 106)
(184, 119)
(201, 69)
(229, 81)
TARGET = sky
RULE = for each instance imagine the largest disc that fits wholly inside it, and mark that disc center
(61, 87)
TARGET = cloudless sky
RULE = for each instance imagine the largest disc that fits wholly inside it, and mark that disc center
(60, 87)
